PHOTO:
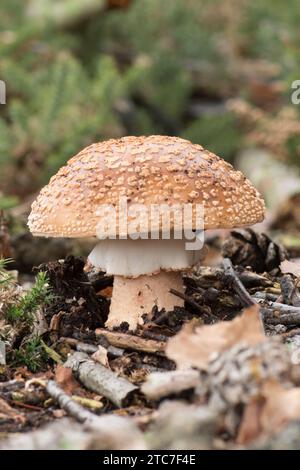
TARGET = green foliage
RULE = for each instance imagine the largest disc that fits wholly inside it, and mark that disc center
(72, 68)
(8, 202)
(293, 148)
(218, 133)
(20, 315)
(65, 85)
(5, 278)
(25, 308)
(31, 354)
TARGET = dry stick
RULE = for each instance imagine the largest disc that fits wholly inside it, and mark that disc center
(289, 315)
(114, 432)
(132, 342)
(237, 285)
(66, 403)
(90, 348)
(265, 296)
(282, 308)
(76, 343)
(250, 279)
(25, 405)
(190, 301)
(147, 333)
(287, 319)
(12, 385)
(101, 380)
(204, 311)
(289, 291)
(291, 333)
(163, 384)
(88, 402)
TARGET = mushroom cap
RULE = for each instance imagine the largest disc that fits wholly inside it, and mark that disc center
(144, 170)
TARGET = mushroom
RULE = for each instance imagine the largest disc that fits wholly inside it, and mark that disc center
(84, 199)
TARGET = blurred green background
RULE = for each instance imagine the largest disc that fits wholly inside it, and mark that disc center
(217, 72)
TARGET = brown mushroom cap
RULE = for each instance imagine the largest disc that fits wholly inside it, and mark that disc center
(146, 170)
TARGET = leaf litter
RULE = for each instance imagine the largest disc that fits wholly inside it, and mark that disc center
(213, 374)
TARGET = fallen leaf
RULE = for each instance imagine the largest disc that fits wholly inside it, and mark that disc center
(250, 426)
(101, 356)
(65, 379)
(282, 405)
(59, 413)
(195, 346)
(266, 414)
(8, 413)
(290, 267)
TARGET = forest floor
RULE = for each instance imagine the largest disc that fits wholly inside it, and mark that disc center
(222, 372)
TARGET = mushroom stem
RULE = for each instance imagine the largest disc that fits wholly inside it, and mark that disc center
(133, 297)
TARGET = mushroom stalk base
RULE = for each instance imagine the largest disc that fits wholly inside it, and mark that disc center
(133, 297)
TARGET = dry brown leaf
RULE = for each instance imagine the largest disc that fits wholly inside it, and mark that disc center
(8, 413)
(101, 356)
(59, 413)
(265, 416)
(290, 267)
(194, 346)
(282, 405)
(65, 379)
(250, 426)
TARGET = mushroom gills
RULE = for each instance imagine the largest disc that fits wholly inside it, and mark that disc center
(133, 258)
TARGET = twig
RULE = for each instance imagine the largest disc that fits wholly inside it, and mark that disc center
(288, 315)
(162, 317)
(287, 319)
(290, 293)
(237, 285)
(88, 402)
(132, 342)
(211, 276)
(265, 296)
(25, 405)
(291, 333)
(147, 333)
(103, 432)
(101, 380)
(91, 348)
(188, 300)
(163, 384)
(66, 403)
(12, 385)
(282, 308)
(250, 279)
